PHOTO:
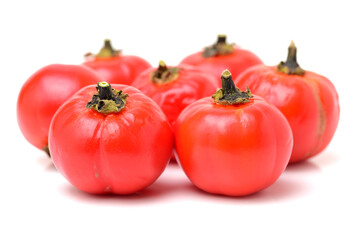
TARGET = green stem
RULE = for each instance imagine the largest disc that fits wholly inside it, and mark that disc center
(164, 74)
(105, 91)
(161, 69)
(229, 94)
(219, 48)
(291, 66)
(221, 39)
(107, 51)
(107, 100)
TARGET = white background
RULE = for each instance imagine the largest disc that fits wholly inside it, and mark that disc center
(317, 199)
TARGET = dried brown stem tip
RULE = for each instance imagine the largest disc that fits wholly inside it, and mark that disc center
(219, 48)
(107, 100)
(291, 66)
(163, 74)
(107, 51)
(229, 94)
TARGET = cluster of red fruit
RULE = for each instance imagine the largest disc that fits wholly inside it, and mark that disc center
(118, 138)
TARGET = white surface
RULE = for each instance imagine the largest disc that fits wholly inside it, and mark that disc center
(318, 199)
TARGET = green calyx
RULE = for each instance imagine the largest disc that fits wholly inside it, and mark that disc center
(220, 48)
(107, 51)
(291, 66)
(107, 100)
(229, 94)
(163, 74)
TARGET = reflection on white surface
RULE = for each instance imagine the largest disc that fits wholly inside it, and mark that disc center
(174, 186)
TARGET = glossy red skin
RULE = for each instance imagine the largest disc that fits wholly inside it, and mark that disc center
(233, 150)
(116, 153)
(310, 103)
(119, 69)
(43, 93)
(236, 62)
(190, 85)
